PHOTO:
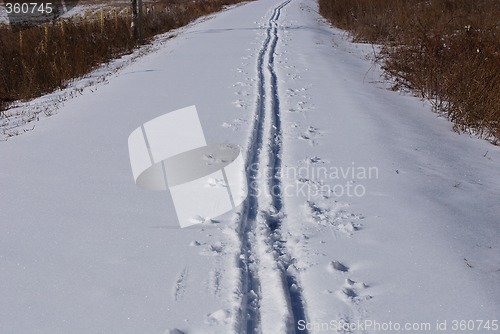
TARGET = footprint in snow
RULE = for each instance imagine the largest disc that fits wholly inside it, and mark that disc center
(218, 317)
(310, 135)
(294, 76)
(242, 93)
(240, 84)
(337, 221)
(352, 292)
(334, 266)
(215, 183)
(314, 160)
(311, 130)
(349, 228)
(308, 139)
(355, 285)
(320, 215)
(294, 92)
(239, 104)
(174, 331)
(235, 124)
(215, 249)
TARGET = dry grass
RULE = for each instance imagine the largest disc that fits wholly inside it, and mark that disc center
(38, 60)
(446, 50)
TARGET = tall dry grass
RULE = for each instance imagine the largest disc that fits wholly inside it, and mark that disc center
(40, 59)
(446, 50)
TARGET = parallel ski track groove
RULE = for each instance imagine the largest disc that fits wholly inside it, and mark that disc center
(249, 311)
(294, 295)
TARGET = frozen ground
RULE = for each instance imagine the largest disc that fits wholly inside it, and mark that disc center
(380, 213)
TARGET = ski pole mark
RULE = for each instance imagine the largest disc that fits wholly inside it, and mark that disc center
(180, 284)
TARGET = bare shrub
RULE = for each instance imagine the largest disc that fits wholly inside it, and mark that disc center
(39, 59)
(446, 50)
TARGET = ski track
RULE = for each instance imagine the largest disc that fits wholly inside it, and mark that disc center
(264, 260)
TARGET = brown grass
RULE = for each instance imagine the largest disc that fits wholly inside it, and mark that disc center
(446, 50)
(38, 60)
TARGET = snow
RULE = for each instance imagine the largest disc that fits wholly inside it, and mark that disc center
(84, 250)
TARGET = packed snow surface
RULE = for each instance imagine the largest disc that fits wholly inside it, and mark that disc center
(364, 207)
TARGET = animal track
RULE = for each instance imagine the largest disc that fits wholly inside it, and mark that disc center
(337, 266)
(352, 292)
(310, 135)
(295, 92)
(334, 219)
(215, 249)
(240, 84)
(240, 104)
(314, 160)
(354, 284)
(235, 124)
(174, 331)
(242, 93)
(218, 317)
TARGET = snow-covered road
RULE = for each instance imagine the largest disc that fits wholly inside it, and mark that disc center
(365, 208)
